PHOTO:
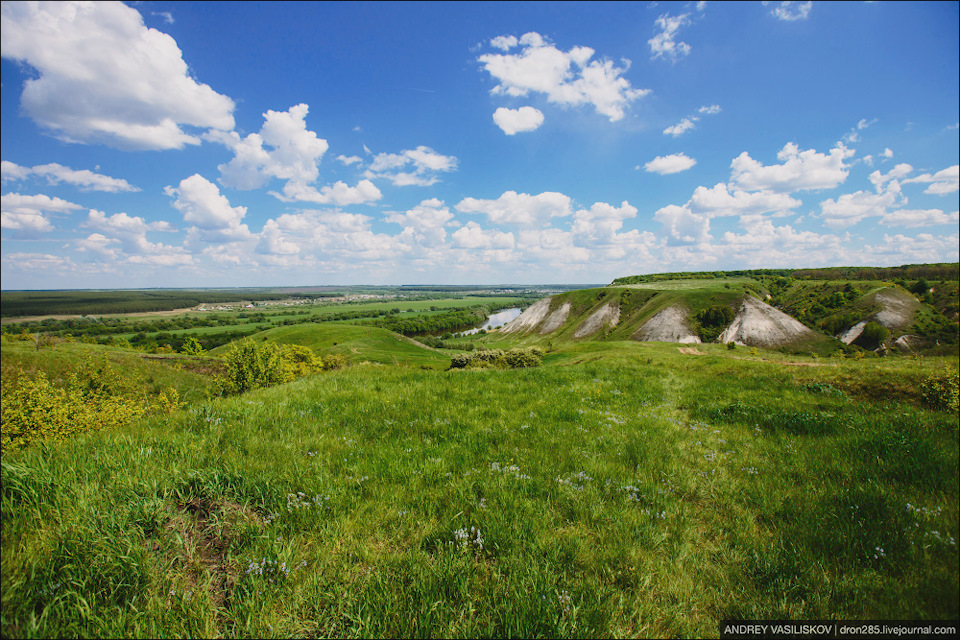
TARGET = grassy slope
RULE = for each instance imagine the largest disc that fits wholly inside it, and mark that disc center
(189, 376)
(355, 343)
(622, 489)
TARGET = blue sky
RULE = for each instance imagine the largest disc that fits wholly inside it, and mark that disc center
(185, 144)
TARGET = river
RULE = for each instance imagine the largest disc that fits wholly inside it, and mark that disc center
(495, 321)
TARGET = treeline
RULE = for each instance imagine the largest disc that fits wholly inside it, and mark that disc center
(702, 275)
(938, 271)
(17, 304)
(935, 271)
(440, 322)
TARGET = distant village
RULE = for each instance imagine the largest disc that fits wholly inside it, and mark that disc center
(291, 302)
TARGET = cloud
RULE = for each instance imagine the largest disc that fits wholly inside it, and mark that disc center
(56, 173)
(99, 244)
(519, 208)
(918, 218)
(682, 226)
(674, 163)
(36, 263)
(103, 77)
(568, 78)
(339, 193)
(472, 236)
(719, 201)
(284, 149)
(130, 232)
(682, 127)
(504, 43)
(942, 182)
(417, 167)
(800, 171)
(25, 214)
(690, 122)
(598, 227)
(791, 11)
(664, 44)
(898, 172)
(426, 221)
(520, 120)
(212, 217)
(850, 208)
(349, 160)
(316, 238)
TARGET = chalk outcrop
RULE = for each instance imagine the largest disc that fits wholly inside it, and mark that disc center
(529, 319)
(556, 318)
(896, 312)
(669, 325)
(757, 324)
(606, 316)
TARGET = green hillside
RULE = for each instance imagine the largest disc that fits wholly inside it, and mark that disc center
(355, 343)
(829, 308)
(621, 489)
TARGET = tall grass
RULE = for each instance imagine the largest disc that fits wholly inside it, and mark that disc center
(610, 492)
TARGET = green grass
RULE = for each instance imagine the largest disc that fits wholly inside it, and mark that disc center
(189, 376)
(621, 489)
(355, 343)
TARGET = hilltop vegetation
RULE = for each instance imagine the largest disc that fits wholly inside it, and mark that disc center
(852, 316)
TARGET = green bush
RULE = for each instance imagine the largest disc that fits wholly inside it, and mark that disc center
(940, 390)
(250, 366)
(94, 398)
(713, 321)
(498, 358)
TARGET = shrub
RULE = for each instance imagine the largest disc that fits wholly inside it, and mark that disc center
(94, 398)
(251, 365)
(873, 335)
(333, 362)
(940, 390)
(713, 321)
(192, 347)
(514, 358)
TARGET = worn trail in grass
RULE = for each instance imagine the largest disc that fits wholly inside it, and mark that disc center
(611, 492)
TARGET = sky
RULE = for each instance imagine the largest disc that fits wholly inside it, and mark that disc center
(263, 144)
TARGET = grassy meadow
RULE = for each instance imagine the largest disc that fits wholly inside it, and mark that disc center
(621, 489)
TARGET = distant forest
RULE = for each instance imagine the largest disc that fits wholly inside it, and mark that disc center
(17, 304)
(936, 272)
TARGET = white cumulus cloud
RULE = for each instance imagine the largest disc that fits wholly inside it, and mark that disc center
(27, 214)
(520, 120)
(942, 182)
(799, 171)
(918, 218)
(674, 163)
(568, 78)
(681, 127)
(519, 208)
(55, 173)
(664, 44)
(210, 213)
(410, 167)
(102, 76)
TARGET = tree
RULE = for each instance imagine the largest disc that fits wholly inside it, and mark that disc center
(192, 347)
